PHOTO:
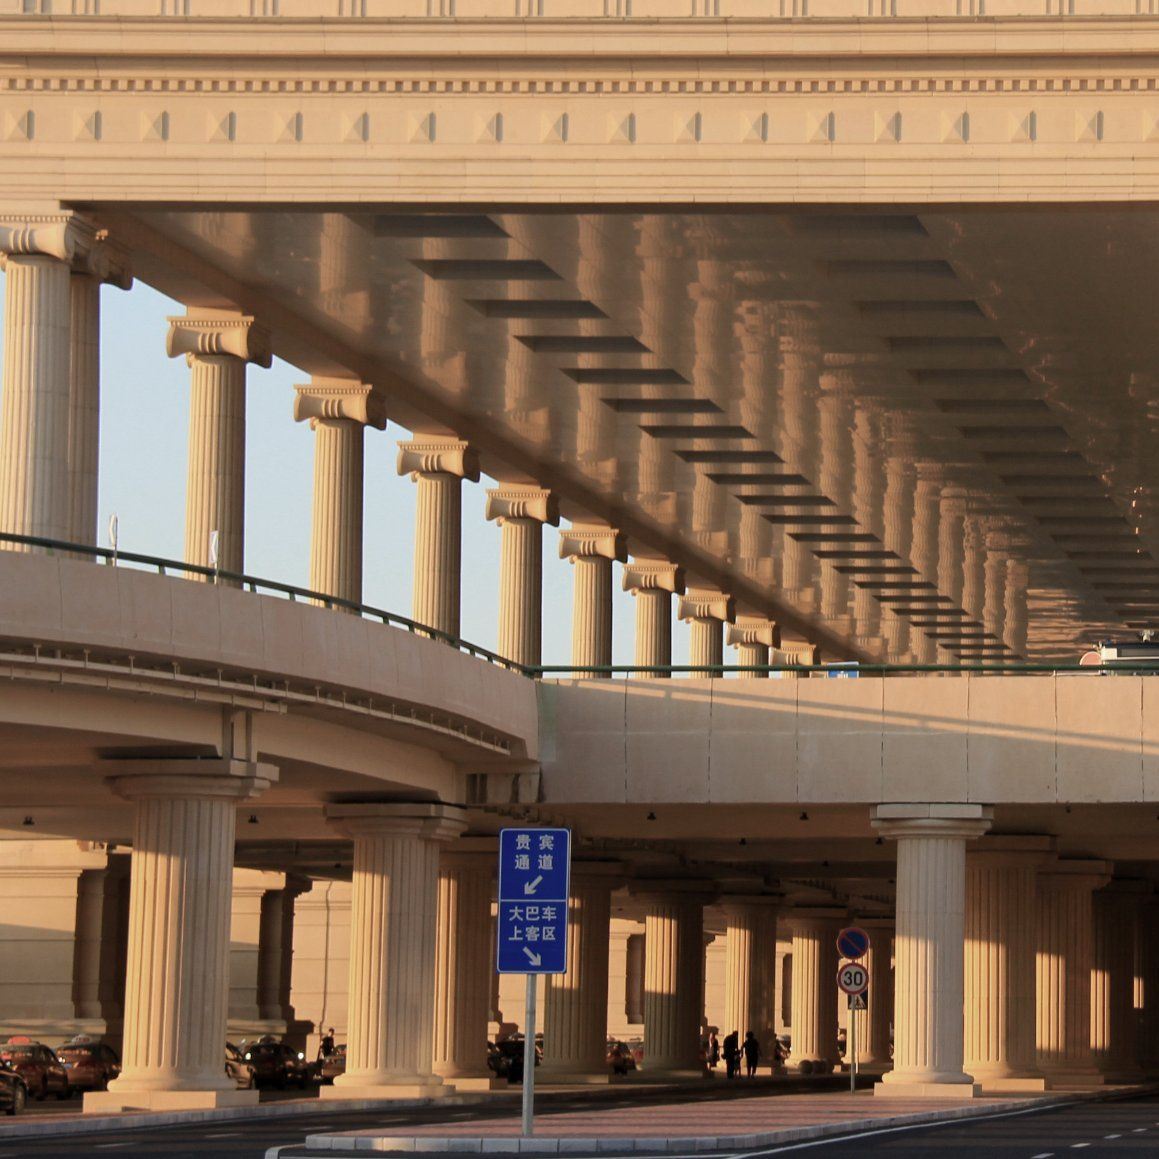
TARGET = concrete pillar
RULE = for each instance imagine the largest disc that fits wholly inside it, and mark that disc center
(338, 411)
(521, 513)
(929, 946)
(393, 926)
(217, 345)
(438, 465)
(673, 983)
(102, 264)
(1148, 933)
(652, 583)
(1000, 962)
(591, 551)
(749, 968)
(706, 612)
(873, 1026)
(575, 1017)
(34, 393)
(276, 954)
(1065, 939)
(814, 990)
(102, 923)
(177, 987)
(463, 966)
(1113, 1029)
(753, 639)
(248, 888)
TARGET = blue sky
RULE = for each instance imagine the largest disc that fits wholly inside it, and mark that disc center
(144, 425)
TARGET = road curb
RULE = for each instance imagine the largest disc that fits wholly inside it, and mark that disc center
(656, 1145)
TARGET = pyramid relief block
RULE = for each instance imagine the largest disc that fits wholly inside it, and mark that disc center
(288, 127)
(887, 126)
(223, 127)
(755, 127)
(555, 129)
(87, 126)
(491, 130)
(822, 127)
(356, 127)
(20, 126)
(1088, 127)
(623, 130)
(1024, 128)
(688, 129)
(422, 129)
(955, 128)
(154, 126)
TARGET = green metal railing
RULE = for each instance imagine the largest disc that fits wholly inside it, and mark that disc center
(162, 566)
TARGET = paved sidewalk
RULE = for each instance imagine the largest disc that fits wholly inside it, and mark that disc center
(683, 1127)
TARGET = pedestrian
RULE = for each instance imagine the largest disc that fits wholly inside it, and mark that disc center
(732, 1054)
(327, 1047)
(752, 1053)
(713, 1049)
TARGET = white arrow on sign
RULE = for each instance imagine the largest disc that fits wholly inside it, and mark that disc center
(529, 887)
(533, 958)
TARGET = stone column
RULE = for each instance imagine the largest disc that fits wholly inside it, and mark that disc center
(591, 551)
(929, 946)
(103, 263)
(247, 889)
(814, 991)
(438, 465)
(338, 411)
(653, 582)
(276, 951)
(217, 345)
(393, 926)
(795, 654)
(750, 957)
(102, 920)
(706, 612)
(673, 983)
(521, 513)
(1148, 932)
(177, 987)
(463, 965)
(873, 1025)
(1065, 938)
(753, 639)
(1000, 970)
(37, 255)
(575, 1017)
(1113, 1030)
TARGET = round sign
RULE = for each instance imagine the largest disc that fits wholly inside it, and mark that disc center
(852, 942)
(853, 978)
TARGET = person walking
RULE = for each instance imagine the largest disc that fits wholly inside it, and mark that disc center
(327, 1047)
(752, 1053)
(713, 1049)
(732, 1054)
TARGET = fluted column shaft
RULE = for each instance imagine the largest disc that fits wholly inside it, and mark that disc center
(1065, 944)
(177, 986)
(34, 408)
(575, 1021)
(654, 631)
(1113, 1028)
(1000, 965)
(814, 991)
(336, 526)
(84, 433)
(752, 655)
(521, 591)
(673, 984)
(463, 965)
(750, 956)
(591, 626)
(215, 488)
(929, 944)
(438, 548)
(705, 643)
(276, 950)
(873, 1025)
(393, 934)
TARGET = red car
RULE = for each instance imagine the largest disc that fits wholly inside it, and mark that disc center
(91, 1065)
(38, 1066)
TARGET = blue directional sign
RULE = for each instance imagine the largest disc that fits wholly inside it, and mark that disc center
(853, 942)
(534, 876)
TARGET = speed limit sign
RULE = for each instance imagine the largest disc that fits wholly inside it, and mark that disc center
(853, 978)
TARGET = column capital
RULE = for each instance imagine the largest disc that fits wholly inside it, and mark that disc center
(63, 236)
(948, 820)
(339, 398)
(796, 654)
(750, 630)
(216, 777)
(706, 604)
(513, 501)
(429, 820)
(106, 262)
(200, 333)
(438, 455)
(653, 575)
(1006, 851)
(592, 542)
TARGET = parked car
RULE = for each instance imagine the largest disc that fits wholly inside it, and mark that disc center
(330, 1066)
(237, 1068)
(506, 1059)
(38, 1066)
(90, 1065)
(620, 1058)
(13, 1090)
(277, 1064)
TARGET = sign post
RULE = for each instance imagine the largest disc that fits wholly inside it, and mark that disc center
(534, 881)
(853, 979)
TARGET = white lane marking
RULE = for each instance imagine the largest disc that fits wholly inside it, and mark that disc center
(1112, 1136)
(1044, 1155)
(1077, 1146)
(892, 1130)
(223, 1135)
(1138, 1130)
(274, 1152)
(105, 1146)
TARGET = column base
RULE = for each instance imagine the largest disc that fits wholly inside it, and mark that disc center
(669, 1076)
(372, 1090)
(920, 1090)
(477, 1083)
(1013, 1085)
(111, 1101)
(557, 1078)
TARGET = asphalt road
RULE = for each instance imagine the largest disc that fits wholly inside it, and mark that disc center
(1117, 1129)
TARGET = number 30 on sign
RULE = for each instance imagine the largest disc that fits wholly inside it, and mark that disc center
(853, 978)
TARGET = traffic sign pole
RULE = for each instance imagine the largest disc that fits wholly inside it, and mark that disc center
(851, 1038)
(529, 1058)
